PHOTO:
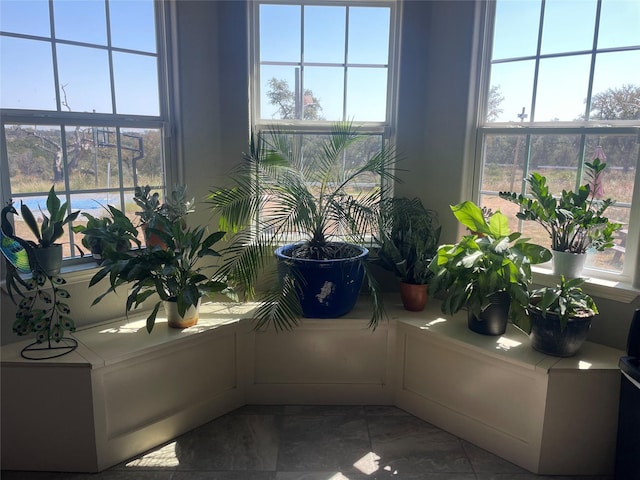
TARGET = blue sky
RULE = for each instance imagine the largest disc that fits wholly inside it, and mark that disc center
(26, 70)
(568, 26)
(325, 42)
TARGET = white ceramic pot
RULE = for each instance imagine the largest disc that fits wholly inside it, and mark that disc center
(568, 264)
(175, 320)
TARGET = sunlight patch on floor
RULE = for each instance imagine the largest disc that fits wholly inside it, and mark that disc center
(162, 457)
(369, 464)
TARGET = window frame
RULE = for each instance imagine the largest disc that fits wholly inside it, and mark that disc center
(387, 127)
(621, 286)
(120, 122)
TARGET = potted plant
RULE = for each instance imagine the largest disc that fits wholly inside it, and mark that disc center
(42, 307)
(489, 271)
(409, 238)
(47, 254)
(308, 206)
(107, 234)
(560, 317)
(155, 214)
(575, 221)
(173, 273)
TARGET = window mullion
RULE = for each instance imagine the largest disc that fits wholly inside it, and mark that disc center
(537, 61)
(54, 56)
(592, 67)
(345, 68)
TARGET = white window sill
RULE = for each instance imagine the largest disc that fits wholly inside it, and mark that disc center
(74, 273)
(618, 291)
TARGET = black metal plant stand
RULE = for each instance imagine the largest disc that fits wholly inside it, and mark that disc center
(46, 351)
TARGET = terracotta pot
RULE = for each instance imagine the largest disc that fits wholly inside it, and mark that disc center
(414, 297)
(152, 239)
(175, 320)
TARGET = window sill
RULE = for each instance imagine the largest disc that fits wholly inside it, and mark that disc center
(74, 273)
(618, 291)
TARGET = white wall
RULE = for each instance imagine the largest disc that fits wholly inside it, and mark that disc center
(435, 81)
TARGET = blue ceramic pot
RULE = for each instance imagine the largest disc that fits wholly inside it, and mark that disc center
(330, 287)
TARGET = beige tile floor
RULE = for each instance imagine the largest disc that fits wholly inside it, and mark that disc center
(291, 442)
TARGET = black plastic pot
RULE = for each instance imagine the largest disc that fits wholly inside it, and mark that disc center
(493, 319)
(547, 337)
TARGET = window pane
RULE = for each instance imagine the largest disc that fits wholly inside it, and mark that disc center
(562, 88)
(568, 26)
(280, 33)
(29, 18)
(366, 94)
(324, 34)
(34, 158)
(369, 35)
(84, 78)
(327, 86)
(516, 29)
(504, 158)
(92, 160)
(616, 86)
(133, 25)
(620, 152)
(512, 90)
(142, 157)
(619, 24)
(136, 84)
(556, 157)
(80, 20)
(26, 69)
(277, 92)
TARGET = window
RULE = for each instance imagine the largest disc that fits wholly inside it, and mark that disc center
(81, 104)
(315, 63)
(562, 86)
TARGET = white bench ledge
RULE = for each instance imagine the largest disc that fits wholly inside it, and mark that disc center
(124, 391)
(500, 394)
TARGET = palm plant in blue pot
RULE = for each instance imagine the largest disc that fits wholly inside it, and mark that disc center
(312, 205)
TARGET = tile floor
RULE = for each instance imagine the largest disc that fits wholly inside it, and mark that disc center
(311, 443)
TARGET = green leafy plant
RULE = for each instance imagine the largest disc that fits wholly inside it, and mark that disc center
(282, 193)
(176, 205)
(490, 260)
(171, 273)
(148, 202)
(409, 237)
(52, 226)
(566, 300)
(575, 221)
(110, 233)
